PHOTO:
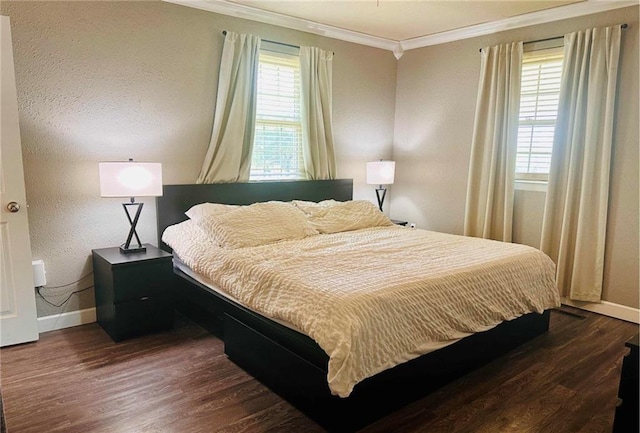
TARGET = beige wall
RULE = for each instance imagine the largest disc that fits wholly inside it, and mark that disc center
(435, 105)
(112, 80)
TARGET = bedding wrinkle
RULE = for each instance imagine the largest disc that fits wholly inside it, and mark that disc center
(377, 297)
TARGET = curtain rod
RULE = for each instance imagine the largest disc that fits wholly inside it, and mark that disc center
(224, 32)
(623, 26)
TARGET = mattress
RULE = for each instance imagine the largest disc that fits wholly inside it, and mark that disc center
(374, 298)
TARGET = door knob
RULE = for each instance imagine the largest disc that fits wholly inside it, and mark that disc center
(13, 207)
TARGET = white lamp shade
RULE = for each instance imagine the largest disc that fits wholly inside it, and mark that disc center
(130, 179)
(381, 172)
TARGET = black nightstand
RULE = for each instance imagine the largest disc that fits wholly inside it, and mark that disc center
(626, 417)
(400, 223)
(133, 291)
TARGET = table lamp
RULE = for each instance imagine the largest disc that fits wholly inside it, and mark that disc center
(381, 173)
(131, 179)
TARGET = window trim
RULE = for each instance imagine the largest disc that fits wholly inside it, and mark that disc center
(530, 185)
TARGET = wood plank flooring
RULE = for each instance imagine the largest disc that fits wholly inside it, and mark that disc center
(78, 381)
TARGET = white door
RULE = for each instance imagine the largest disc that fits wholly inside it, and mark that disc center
(18, 320)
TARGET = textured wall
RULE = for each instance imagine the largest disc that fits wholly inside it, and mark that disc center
(112, 80)
(435, 106)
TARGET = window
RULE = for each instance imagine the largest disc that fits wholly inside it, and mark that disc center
(277, 145)
(539, 95)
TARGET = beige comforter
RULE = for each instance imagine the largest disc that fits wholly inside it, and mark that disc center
(374, 298)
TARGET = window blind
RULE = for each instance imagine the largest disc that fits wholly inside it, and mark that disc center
(539, 96)
(277, 147)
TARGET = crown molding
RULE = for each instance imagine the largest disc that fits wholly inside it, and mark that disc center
(541, 17)
(398, 47)
(255, 14)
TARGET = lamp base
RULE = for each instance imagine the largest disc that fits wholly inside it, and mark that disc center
(380, 193)
(132, 250)
(126, 248)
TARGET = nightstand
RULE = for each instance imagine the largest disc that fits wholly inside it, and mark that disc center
(399, 222)
(626, 416)
(133, 291)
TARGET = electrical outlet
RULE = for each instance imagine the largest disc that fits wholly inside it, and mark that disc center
(39, 274)
(412, 225)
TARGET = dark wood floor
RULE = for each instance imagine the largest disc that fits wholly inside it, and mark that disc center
(78, 380)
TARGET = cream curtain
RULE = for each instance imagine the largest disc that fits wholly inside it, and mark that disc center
(490, 187)
(228, 157)
(315, 79)
(575, 215)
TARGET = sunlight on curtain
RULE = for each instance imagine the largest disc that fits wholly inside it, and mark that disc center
(575, 215)
(315, 78)
(490, 188)
(228, 157)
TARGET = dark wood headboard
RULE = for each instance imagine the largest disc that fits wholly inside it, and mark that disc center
(176, 199)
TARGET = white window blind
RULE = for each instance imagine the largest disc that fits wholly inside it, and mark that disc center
(277, 146)
(539, 95)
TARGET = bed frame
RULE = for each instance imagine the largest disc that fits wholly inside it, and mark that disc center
(292, 364)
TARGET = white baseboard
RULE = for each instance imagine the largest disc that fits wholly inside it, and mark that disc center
(606, 308)
(66, 320)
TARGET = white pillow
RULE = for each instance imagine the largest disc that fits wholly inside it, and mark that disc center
(257, 224)
(331, 216)
(203, 210)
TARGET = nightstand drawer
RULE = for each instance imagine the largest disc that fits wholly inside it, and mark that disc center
(133, 291)
(141, 317)
(132, 283)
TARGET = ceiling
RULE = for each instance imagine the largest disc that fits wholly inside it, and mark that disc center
(398, 25)
(398, 20)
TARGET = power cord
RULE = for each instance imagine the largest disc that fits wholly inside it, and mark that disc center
(64, 285)
(66, 299)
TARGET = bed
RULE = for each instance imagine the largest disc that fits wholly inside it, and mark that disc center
(293, 364)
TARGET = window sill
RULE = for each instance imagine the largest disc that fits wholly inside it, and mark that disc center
(530, 185)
